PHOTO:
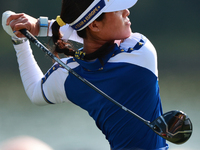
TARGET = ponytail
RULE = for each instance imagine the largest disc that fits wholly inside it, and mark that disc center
(60, 45)
(56, 32)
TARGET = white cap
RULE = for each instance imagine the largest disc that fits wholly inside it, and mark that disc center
(97, 8)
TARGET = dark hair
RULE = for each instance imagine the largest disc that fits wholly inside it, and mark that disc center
(70, 11)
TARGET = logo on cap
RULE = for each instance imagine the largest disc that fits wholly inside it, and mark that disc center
(89, 15)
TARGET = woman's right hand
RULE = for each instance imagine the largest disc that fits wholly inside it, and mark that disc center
(23, 21)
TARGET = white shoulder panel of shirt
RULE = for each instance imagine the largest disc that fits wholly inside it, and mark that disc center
(54, 88)
(145, 57)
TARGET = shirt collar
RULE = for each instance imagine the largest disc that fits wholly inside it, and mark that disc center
(96, 64)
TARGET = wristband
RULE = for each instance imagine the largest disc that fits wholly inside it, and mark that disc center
(17, 41)
(43, 26)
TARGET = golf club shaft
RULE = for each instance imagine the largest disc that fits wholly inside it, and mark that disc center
(42, 47)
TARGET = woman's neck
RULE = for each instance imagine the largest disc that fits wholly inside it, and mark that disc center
(91, 46)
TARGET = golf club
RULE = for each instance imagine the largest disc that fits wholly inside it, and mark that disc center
(174, 126)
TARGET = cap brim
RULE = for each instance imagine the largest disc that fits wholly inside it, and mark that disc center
(117, 5)
(97, 8)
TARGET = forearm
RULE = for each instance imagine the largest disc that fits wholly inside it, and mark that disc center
(30, 72)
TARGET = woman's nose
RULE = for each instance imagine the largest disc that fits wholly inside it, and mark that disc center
(126, 12)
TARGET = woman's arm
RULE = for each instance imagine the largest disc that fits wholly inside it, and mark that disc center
(24, 21)
(30, 73)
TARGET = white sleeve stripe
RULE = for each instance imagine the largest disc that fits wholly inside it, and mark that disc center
(54, 68)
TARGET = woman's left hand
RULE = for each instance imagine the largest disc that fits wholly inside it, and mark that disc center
(23, 21)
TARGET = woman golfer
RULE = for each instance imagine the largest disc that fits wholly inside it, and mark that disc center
(120, 63)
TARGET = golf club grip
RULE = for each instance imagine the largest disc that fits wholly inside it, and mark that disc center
(34, 40)
(27, 34)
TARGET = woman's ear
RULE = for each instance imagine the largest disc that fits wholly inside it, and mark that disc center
(95, 26)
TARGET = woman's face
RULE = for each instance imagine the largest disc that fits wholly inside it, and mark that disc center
(116, 25)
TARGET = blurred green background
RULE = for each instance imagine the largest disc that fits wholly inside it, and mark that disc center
(173, 28)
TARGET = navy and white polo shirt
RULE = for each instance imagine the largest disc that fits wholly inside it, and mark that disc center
(129, 75)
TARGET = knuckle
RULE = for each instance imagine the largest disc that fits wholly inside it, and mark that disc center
(25, 19)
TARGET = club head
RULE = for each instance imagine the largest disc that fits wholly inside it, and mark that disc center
(174, 126)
